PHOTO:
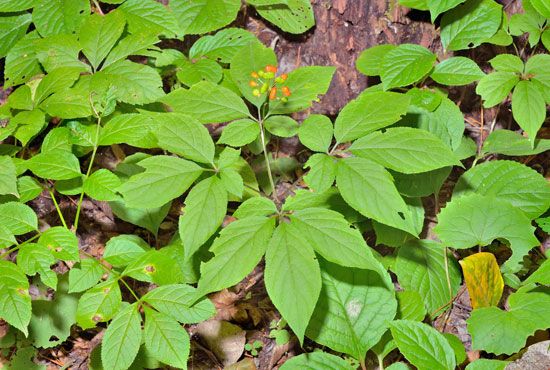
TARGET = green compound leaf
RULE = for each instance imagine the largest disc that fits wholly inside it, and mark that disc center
(149, 218)
(102, 185)
(164, 179)
(369, 189)
(282, 126)
(294, 16)
(15, 301)
(420, 267)
(37, 258)
(21, 61)
(536, 66)
(203, 16)
(256, 206)
(151, 16)
(422, 345)
(55, 165)
(369, 112)
(315, 133)
(405, 65)
(166, 339)
(85, 276)
(132, 129)
(121, 250)
(316, 361)
(8, 178)
(370, 60)
(507, 63)
(470, 24)
(237, 250)
(505, 332)
(495, 87)
(438, 7)
(178, 301)
(12, 29)
(191, 73)
(485, 364)
(222, 46)
(406, 150)
(239, 133)
(18, 218)
(292, 277)
(122, 339)
(322, 172)
(205, 209)
(59, 16)
(457, 71)
(62, 242)
(477, 220)
(514, 182)
(529, 108)
(207, 103)
(99, 304)
(331, 236)
(513, 144)
(354, 309)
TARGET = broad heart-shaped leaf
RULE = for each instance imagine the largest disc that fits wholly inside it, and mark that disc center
(251, 58)
(483, 279)
(420, 267)
(513, 144)
(12, 28)
(62, 242)
(316, 361)
(18, 218)
(495, 87)
(122, 339)
(86, 276)
(185, 136)
(237, 250)
(55, 165)
(59, 16)
(305, 84)
(422, 345)
(456, 71)
(512, 181)
(37, 258)
(370, 60)
(405, 149)
(127, 88)
(8, 178)
(178, 301)
(331, 236)
(15, 301)
(101, 185)
(369, 112)
(505, 332)
(203, 16)
(437, 7)
(240, 132)
(164, 179)
(369, 189)
(292, 277)
(205, 208)
(133, 129)
(99, 304)
(405, 65)
(149, 219)
(529, 108)
(151, 16)
(354, 309)
(207, 103)
(322, 172)
(470, 24)
(294, 16)
(477, 220)
(315, 133)
(99, 34)
(166, 340)
(222, 46)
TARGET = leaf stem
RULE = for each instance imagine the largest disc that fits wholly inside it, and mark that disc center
(18, 246)
(446, 260)
(129, 289)
(266, 156)
(58, 209)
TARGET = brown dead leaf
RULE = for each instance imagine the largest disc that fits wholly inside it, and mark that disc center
(246, 364)
(224, 339)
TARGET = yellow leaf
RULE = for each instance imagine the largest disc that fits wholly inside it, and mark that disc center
(483, 279)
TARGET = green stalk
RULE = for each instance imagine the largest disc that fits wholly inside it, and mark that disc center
(58, 209)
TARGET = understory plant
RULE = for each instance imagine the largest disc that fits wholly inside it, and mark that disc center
(103, 79)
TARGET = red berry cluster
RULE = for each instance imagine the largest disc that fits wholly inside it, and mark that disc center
(264, 81)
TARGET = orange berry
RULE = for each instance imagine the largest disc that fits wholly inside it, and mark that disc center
(253, 83)
(273, 93)
(254, 75)
(270, 68)
(286, 91)
(284, 76)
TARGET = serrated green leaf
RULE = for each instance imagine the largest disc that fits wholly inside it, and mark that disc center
(99, 304)
(410, 306)
(178, 301)
(295, 16)
(7, 6)
(149, 219)
(69, 103)
(205, 209)
(420, 267)
(486, 364)
(28, 125)
(511, 181)
(542, 7)
(405, 65)
(222, 46)
(233, 183)
(8, 179)
(421, 184)
(368, 113)
(507, 63)
(132, 129)
(354, 309)
(7, 238)
(36, 259)
(99, 34)
(86, 276)
(57, 51)
(239, 133)
(12, 28)
(21, 62)
(136, 44)
(151, 16)
(513, 144)
(457, 71)
(316, 361)
(62, 242)
(164, 179)
(315, 133)
(370, 60)
(18, 218)
(237, 250)
(57, 139)
(405, 150)
(15, 301)
(155, 266)
(59, 16)
(536, 66)
(422, 345)
(369, 189)
(203, 16)
(470, 24)
(282, 126)
(123, 249)
(207, 102)
(477, 220)
(438, 7)
(495, 87)
(193, 72)
(292, 277)
(55, 165)
(102, 185)
(322, 172)
(167, 340)
(122, 339)
(528, 108)
(256, 206)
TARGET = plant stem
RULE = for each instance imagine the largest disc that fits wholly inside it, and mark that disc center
(380, 362)
(362, 363)
(19, 246)
(447, 274)
(58, 209)
(266, 156)
(129, 289)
